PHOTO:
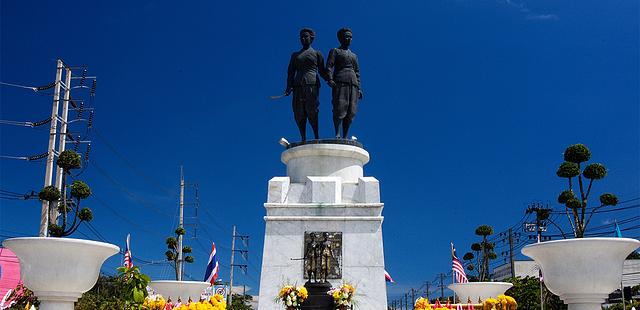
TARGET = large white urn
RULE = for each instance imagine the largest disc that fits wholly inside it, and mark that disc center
(584, 271)
(179, 289)
(59, 270)
(476, 291)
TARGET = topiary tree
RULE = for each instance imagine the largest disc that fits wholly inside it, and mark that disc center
(173, 254)
(576, 206)
(483, 253)
(67, 200)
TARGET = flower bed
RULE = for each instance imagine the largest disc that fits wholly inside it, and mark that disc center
(343, 296)
(292, 297)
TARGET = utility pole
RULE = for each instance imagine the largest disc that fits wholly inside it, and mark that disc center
(413, 296)
(243, 252)
(44, 212)
(513, 271)
(442, 286)
(233, 248)
(406, 301)
(426, 290)
(53, 212)
(181, 225)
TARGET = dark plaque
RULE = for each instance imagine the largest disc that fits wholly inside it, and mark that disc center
(322, 255)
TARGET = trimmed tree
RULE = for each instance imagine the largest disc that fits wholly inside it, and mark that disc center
(172, 253)
(483, 254)
(575, 157)
(67, 200)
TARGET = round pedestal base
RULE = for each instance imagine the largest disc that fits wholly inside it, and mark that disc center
(318, 297)
(582, 271)
(59, 270)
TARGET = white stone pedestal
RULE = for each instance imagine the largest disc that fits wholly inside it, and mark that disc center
(324, 191)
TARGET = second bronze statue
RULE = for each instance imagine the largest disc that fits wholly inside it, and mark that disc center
(342, 73)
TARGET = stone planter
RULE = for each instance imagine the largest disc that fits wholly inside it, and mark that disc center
(479, 290)
(59, 270)
(179, 289)
(582, 271)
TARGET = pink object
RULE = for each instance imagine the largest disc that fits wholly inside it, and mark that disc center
(9, 271)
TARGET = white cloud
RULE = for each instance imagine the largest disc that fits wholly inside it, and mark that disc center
(543, 17)
(530, 15)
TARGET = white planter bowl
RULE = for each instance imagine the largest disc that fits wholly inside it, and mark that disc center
(59, 270)
(584, 271)
(179, 289)
(479, 290)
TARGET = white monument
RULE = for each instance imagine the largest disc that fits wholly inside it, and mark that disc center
(325, 190)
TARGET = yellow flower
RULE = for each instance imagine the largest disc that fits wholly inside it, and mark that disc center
(302, 292)
(489, 304)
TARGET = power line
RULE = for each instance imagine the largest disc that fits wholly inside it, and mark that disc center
(127, 191)
(132, 166)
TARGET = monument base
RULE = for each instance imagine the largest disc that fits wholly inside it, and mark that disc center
(318, 297)
(324, 191)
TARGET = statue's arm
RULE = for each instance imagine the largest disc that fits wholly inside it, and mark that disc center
(356, 69)
(322, 70)
(291, 72)
(331, 61)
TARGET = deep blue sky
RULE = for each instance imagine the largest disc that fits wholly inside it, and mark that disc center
(468, 107)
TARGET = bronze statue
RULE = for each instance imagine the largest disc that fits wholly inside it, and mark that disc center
(325, 257)
(311, 256)
(343, 75)
(303, 80)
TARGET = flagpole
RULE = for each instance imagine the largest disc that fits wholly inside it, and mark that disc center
(453, 281)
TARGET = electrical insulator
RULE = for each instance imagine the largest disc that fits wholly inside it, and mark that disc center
(84, 76)
(90, 121)
(92, 93)
(80, 109)
(86, 154)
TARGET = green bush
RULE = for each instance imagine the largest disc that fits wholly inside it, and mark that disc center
(180, 231)
(49, 193)
(574, 203)
(568, 170)
(566, 196)
(484, 230)
(577, 153)
(85, 215)
(80, 190)
(69, 160)
(595, 171)
(608, 199)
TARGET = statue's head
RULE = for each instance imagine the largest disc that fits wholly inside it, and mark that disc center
(344, 36)
(306, 36)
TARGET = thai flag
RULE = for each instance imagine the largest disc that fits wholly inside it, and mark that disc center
(212, 266)
(387, 277)
(127, 254)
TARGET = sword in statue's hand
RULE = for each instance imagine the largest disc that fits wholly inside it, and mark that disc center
(286, 93)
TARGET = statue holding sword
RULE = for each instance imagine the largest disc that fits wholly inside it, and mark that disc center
(306, 66)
